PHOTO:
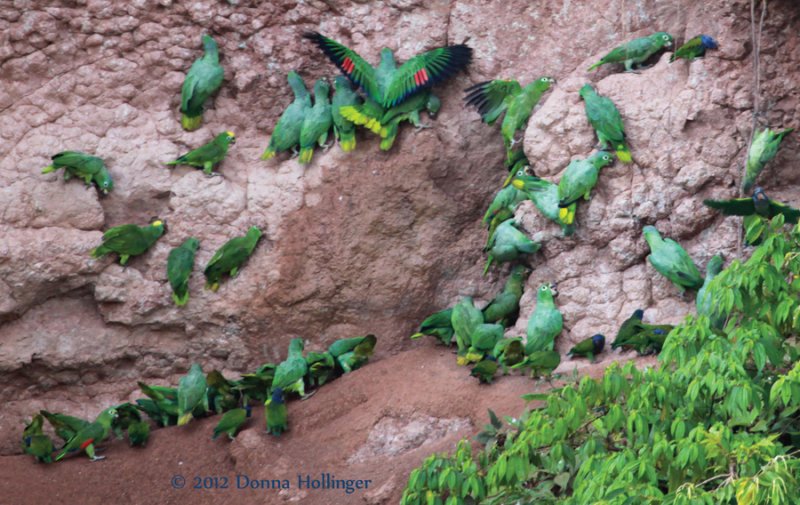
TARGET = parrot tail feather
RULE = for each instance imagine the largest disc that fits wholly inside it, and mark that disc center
(351, 113)
(488, 264)
(624, 154)
(191, 123)
(213, 286)
(184, 419)
(306, 153)
(417, 335)
(567, 214)
(595, 66)
(387, 144)
(180, 301)
(48, 169)
(348, 144)
(462, 361)
(268, 154)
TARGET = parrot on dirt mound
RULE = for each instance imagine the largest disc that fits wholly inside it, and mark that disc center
(65, 426)
(286, 134)
(221, 393)
(764, 147)
(359, 356)
(695, 47)
(589, 348)
(191, 394)
(317, 121)
(509, 352)
(180, 264)
(321, 368)
(167, 416)
(387, 84)
(545, 322)
(138, 433)
(544, 195)
(437, 325)
(129, 240)
(485, 370)
(508, 197)
(504, 308)
(499, 218)
(629, 329)
(343, 129)
(203, 79)
(83, 166)
(636, 51)
(35, 442)
(508, 244)
(232, 421)
(208, 155)
(672, 261)
(464, 319)
(127, 413)
(90, 435)
(275, 413)
(758, 204)
(607, 122)
(540, 363)
(230, 257)
(706, 305)
(492, 98)
(290, 372)
(256, 385)
(578, 180)
(639, 335)
(483, 339)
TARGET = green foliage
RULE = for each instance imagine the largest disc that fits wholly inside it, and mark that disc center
(718, 422)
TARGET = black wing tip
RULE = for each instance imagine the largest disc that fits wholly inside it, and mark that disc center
(315, 36)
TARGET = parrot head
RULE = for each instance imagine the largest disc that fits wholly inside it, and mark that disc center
(254, 233)
(708, 42)
(387, 57)
(587, 90)
(545, 293)
(248, 410)
(192, 243)
(209, 44)
(715, 264)
(601, 159)
(759, 195)
(598, 341)
(554, 288)
(433, 105)
(638, 314)
(342, 83)
(321, 89)
(104, 181)
(650, 233)
(664, 38)
(230, 137)
(519, 272)
(544, 83)
(158, 223)
(277, 396)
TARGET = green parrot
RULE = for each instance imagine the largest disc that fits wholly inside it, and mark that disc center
(504, 308)
(203, 79)
(656, 336)
(577, 181)
(290, 372)
(387, 84)
(232, 422)
(89, 435)
(180, 264)
(138, 433)
(706, 305)
(589, 347)
(508, 244)
(286, 134)
(695, 47)
(127, 413)
(344, 129)
(540, 363)
(221, 393)
(508, 197)
(230, 257)
(35, 427)
(39, 446)
(758, 204)
(438, 325)
(321, 368)
(316, 123)
(77, 164)
(464, 319)
(545, 322)
(161, 405)
(359, 356)
(191, 394)
(482, 341)
(492, 98)
(509, 352)
(208, 155)
(129, 240)
(672, 261)
(764, 147)
(256, 385)
(636, 51)
(499, 218)
(636, 334)
(485, 370)
(275, 413)
(629, 330)
(607, 122)
(544, 195)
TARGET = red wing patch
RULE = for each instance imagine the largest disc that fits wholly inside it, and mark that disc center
(348, 65)
(421, 77)
(87, 443)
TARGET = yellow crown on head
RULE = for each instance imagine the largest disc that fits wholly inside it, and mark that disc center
(230, 133)
(157, 222)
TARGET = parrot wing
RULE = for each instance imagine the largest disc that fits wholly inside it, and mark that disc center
(491, 97)
(733, 207)
(349, 62)
(425, 70)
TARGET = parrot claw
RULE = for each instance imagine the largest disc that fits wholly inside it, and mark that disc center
(97, 458)
(422, 126)
(308, 395)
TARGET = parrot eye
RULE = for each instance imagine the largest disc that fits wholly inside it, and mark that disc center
(666, 37)
(520, 173)
(606, 157)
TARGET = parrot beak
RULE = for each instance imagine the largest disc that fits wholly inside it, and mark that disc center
(554, 288)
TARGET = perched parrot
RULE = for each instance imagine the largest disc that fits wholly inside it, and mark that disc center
(83, 166)
(577, 181)
(540, 363)
(672, 261)
(482, 341)
(758, 204)
(208, 155)
(636, 334)
(509, 352)
(275, 413)
(437, 325)
(321, 368)
(343, 128)
(764, 147)
(508, 197)
(35, 427)
(191, 394)
(203, 79)
(504, 308)
(695, 47)
(492, 98)
(180, 264)
(508, 244)
(464, 319)
(636, 51)
(629, 329)
(545, 322)
(387, 84)
(65, 426)
(317, 121)
(221, 393)
(256, 385)
(499, 218)
(39, 446)
(607, 122)
(656, 336)
(286, 134)
(232, 422)
(706, 305)
(129, 240)
(485, 370)
(589, 347)
(89, 435)
(161, 404)
(360, 354)
(138, 433)
(290, 372)
(127, 414)
(516, 161)
(230, 257)
(544, 195)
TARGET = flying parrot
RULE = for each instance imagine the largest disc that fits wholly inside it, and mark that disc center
(286, 134)
(77, 164)
(485, 370)
(607, 122)
(290, 372)
(203, 79)
(483, 339)
(540, 363)
(508, 244)
(577, 181)
(129, 240)
(758, 204)
(344, 129)
(360, 354)
(544, 195)
(464, 319)
(545, 322)
(672, 261)
(180, 264)
(232, 421)
(230, 257)
(275, 413)
(191, 394)
(89, 435)
(437, 325)
(504, 308)
(589, 347)
(317, 121)
(636, 51)
(208, 155)
(321, 368)
(764, 147)
(387, 84)
(509, 352)
(65, 426)
(695, 47)
(706, 304)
